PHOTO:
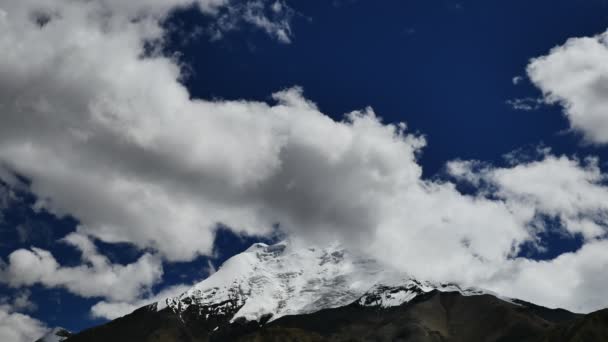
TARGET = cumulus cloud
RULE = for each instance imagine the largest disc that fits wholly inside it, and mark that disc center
(575, 76)
(573, 280)
(114, 309)
(16, 327)
(116, 141)
(135, 159)
(19, 302)
(564, 188)
(96, 277)
(123, 146)
(434, 231)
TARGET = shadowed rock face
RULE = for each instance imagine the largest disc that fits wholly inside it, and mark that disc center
(592, 327)
(434, 316)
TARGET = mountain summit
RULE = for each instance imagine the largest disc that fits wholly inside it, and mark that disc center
(55, 335)
(278, 293)
(269, 282)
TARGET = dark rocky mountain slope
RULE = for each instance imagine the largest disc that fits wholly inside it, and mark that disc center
(434, 317)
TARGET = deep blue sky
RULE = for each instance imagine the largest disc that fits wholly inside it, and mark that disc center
(443, 67)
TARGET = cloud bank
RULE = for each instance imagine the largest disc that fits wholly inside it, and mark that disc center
(105, 132)
(90, 121)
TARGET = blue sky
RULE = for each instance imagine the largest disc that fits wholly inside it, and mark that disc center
(451, 70)
(444, 67)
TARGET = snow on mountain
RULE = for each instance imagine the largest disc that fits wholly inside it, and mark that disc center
(385, 296)
(274, 281)
(55, 335)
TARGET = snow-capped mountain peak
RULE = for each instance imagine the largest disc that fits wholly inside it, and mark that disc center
(57, 334)
(267, 282)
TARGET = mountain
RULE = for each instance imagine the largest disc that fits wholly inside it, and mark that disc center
(279, 293)
(269, 282)
(55, 335)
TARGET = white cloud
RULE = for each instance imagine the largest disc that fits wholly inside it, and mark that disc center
(253, 13)
(210, 268)
(116, 141)
(136, 160)
(22, 302)
(569, 190)
(517, 80)
(573, 280)
(559, 187)
(96, 277)
(525, 104)
(575, 75)
(436, 232)
(160, 179)
(272, 17)
(112, 310)
(16, 327)
(19, 302)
